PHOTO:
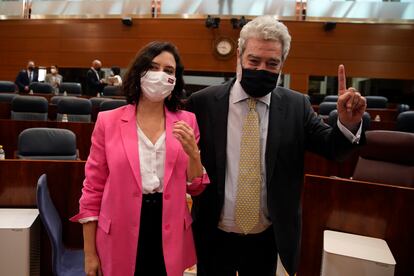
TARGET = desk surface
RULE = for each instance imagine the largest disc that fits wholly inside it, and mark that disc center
(17, 218)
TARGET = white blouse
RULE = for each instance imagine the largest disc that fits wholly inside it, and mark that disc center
(152, 160)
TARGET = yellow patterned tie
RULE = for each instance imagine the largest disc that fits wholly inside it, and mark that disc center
(249, 182)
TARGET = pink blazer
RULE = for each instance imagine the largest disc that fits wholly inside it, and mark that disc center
(112, 191)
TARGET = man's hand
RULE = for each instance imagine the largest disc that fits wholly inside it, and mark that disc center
(351, 105)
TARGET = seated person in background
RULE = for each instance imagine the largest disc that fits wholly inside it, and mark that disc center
(54, 78)
(26, 76)
(95, 82)
(115, 78)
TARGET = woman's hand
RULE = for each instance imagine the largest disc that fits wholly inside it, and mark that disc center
(185, 134)
(92, 265)
(92, 262)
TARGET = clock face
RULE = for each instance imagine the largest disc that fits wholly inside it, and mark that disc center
(224, 47)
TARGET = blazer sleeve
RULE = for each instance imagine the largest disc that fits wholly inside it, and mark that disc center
(96, 174)
(198, 184)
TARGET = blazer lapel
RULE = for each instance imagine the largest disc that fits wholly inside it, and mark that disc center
(172, 145)
(220, 118)
(276, 120)
(129, 137)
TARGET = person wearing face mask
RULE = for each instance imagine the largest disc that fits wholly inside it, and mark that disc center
(115, 78)
(54, 78)
(143, 160)
(253, 137)
(26, 76)
(95, 81)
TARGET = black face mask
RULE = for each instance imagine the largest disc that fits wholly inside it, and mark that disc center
(30, 68)
(258, 83)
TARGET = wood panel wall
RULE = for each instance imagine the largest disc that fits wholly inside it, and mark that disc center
(367, 50)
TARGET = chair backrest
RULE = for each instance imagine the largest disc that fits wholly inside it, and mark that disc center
(387, 157)
(96, 101)
(405, 122)
(55, 99)
(376, 102)
(111, 104)
(70, 88)
(7, 87)
(326, 107)
(402, 108)
(47, 144)
(51, 221)
(41, 87)
(111, 90)
(29, 108)
(333, 118)
(7, 97)
(77, 109)
(330, 98)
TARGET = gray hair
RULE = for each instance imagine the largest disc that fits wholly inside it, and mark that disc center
(267, 28)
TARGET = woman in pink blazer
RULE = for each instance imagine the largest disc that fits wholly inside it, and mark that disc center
(143, 160)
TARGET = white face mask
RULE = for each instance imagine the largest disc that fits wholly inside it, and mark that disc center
(157, 85)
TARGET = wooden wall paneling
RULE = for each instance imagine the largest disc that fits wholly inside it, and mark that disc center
(367, 50)
(299, 82)
(362, 208)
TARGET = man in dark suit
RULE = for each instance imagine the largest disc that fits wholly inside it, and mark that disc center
(94, 79)
(253, 137)
(26, 76)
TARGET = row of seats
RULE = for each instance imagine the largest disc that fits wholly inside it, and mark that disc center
(372, 101)
(71, 88)
(405, 120)
(76, 109)
(387, 156)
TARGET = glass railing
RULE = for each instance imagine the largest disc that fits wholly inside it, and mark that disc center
(333, 10)
(368, 10)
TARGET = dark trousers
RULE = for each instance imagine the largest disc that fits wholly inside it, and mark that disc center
(150, 257)
(249, 255)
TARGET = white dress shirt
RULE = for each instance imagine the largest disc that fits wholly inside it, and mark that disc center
(238, 110)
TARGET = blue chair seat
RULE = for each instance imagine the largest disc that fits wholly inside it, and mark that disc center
(72, 263)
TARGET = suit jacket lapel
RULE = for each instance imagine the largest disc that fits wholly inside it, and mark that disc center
(130, 141)
(172, 145)
(276, 120)
(220, 118)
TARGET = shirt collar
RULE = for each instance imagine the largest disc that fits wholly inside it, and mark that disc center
(237, 94)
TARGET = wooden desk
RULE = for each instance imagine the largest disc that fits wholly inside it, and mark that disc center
(5, 109)
(10, 130)
(318, 165)
(385, 114)
(363, 208)
(18, 181)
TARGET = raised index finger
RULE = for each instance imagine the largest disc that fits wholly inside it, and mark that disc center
(341, 80)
